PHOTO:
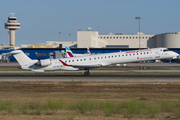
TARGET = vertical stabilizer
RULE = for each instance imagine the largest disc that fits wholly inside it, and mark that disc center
(22, 58)
(68, 52)
(89, 53)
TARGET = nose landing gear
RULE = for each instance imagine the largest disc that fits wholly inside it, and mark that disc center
(86, 73)
(170, 61)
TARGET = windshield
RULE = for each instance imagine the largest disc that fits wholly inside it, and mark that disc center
(166, 50)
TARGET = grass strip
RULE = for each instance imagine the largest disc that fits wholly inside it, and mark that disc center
(126, 108)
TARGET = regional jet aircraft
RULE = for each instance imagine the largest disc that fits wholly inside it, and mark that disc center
(92, 61)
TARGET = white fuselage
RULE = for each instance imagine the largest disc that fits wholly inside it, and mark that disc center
(104, 59)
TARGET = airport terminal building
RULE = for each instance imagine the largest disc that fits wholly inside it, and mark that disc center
(93, 39)
(119, 40)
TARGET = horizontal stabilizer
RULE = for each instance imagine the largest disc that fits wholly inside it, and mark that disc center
(14, 52)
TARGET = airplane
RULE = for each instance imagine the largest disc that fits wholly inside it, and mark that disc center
(69, 53)
(93, 61)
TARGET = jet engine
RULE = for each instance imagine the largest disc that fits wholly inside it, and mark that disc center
(44, 62)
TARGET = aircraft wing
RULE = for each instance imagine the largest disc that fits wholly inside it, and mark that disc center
(81, 66)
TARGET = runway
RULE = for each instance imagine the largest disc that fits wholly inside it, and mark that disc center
(91, 78)
(107, 77)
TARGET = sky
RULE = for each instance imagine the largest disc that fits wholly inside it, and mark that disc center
(42, 20)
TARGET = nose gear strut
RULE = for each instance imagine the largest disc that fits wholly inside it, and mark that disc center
(86, 73)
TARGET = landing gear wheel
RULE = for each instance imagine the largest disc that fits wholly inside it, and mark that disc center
(86, 73)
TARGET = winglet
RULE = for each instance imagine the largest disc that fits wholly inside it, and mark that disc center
(63, 63)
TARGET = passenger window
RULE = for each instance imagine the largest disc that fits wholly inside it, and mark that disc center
(144, 53)
(81, 59)
(112, 56)
(101, 57)
(126, 54)
(137, 53)
(119, 55)
(84, 59)
(69, 61)
(77, 60)
(115, 56)
(89, 58)
(109, 56)
(72, 60)
(94, 58)
(65, 61)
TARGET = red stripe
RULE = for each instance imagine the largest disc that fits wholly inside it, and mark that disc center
(63, 63)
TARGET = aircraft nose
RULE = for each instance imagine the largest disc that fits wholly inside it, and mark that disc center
(175, 55)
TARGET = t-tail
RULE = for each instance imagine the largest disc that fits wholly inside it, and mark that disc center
(22, 59)
(68, 52)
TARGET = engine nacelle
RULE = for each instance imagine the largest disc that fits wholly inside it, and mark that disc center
(44, 62)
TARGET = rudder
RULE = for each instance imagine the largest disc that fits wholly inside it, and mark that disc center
(22, 58)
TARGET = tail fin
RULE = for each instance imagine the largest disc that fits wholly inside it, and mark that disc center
(89, 53)
(68, 52)
(22, 58)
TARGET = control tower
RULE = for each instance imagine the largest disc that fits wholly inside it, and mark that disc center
(12, 25)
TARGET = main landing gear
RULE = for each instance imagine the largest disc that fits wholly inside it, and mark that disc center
(86, 73)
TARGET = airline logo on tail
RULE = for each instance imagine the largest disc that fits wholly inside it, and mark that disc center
(69, 52)
(89, 53)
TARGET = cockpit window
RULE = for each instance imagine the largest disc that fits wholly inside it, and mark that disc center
(166, 50)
